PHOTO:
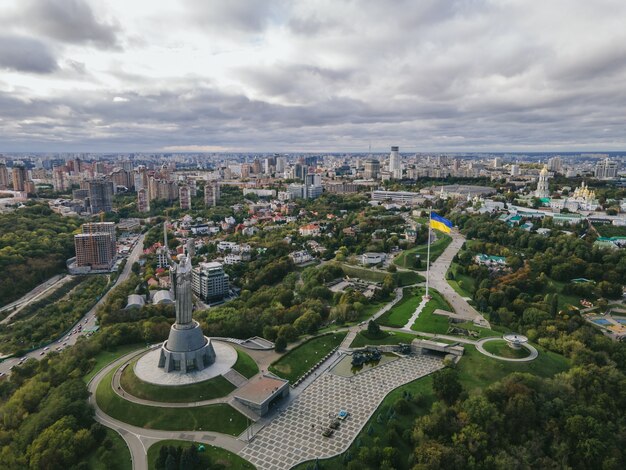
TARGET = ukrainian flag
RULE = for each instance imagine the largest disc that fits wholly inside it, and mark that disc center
(440, 223)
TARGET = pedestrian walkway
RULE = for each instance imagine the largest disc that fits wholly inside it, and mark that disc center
(416, 314)
(296, 434)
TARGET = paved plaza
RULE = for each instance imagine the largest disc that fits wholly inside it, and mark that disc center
(296, 435)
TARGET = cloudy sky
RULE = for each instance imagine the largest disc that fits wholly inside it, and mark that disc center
(323, 75)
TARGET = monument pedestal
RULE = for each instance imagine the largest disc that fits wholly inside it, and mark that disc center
(186, 349)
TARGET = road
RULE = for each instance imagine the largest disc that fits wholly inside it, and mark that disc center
(438, 270)
(88, 320)
(34, 294)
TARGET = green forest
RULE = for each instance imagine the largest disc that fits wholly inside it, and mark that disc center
(34, 245)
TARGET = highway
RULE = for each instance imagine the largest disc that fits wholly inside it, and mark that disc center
(88, 321)
(35, 293)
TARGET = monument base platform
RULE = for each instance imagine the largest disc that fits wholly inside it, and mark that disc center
(147, 369)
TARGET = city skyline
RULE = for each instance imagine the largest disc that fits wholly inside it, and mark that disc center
(82, 76)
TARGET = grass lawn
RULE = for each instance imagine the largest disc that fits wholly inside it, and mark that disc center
(296, 362)
(220, 418)
(216, 387)
(463, 284)
(482, 332)
(393, 337)
(115, 457)
(502, 349)
(436, 248)
(210, 456)
(104, 358)
(364, 273)
(476, 370)
(427, 320)
(399, 315)
(406, 278)
(245, 365)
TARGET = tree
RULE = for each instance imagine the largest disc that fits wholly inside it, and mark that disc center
(281, 344)
(373, 329)
(446, 385)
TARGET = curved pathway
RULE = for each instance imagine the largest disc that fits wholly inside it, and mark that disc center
(140, 439)
(533, 351)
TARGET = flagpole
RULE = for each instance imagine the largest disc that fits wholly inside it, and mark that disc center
(430, 215)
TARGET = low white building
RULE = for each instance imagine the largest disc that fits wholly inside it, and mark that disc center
(370, 259)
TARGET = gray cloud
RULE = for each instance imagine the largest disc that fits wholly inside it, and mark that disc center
(333, 75)
(70, 21)
(26, 55)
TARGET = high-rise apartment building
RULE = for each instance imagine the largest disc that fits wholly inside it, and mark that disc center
(100, 227)
(211, 193)
(372, 169)
(60, 180)
(395, 166)
(209, 282)
(184, 194)
(121, 177)
(4, 176)
(20, 177)
(606, 169)
(143, 202)
(100, 195)
(95, 247)
(245, 170)
(555, 164)
(162, 189)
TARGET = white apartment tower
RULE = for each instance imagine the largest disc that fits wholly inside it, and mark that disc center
(395, 166)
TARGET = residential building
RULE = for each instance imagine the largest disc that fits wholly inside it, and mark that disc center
(310, 230)
(100, 195)
(211, 193)
(143, 202)
(184, 195)
(4, 176)
(300, 257)
(94, 250)
(20, 177)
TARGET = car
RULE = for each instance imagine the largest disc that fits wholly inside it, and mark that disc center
(47, 348)
(42, 353)
(11, 368)
(23, 359)
(64, 344)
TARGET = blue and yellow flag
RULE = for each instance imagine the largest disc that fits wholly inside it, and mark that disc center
(440, 223)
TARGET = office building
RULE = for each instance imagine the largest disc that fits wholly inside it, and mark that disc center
(209, 282)
(372, 169)
(211, 193)
(100, 195)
